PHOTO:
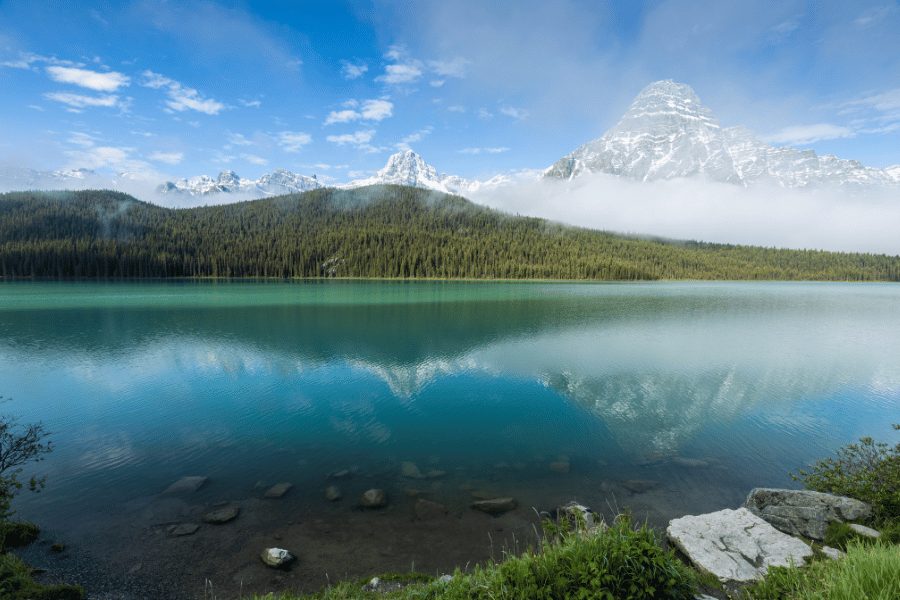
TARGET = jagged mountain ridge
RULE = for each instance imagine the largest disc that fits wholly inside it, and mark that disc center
(279, 182)
(667, 133)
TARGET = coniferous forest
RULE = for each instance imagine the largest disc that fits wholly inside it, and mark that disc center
(379, 231)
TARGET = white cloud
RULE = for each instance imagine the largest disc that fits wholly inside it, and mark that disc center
(484, 114)
(254, 103)
(515, 113)
(470, 151)
(376, 110)
(358, 138)
(449, 68)
(803, 135)
(102, 82)
(457, 108)
(781, 31)
(237, 139)
(437, 83)
(292, 141)
(412, 138)
(79, 101)
(36, 107)
(369, 110)
(172, 158)
(82, 139)
(496, 150)
(181, 98)
(254, 159)
(408, 72)
(479, 150)
(26, 58)
(356, 174)
(352, 70)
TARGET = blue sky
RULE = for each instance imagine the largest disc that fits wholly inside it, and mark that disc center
(333, 88)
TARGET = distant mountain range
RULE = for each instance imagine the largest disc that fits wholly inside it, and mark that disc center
(666, 133)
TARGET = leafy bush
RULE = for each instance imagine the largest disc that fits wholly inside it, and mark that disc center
(18, 445)
(15, 534)
(866, 471)
(16, 583)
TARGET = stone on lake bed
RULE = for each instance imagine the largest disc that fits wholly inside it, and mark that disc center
(426, 510)
(413, 493)
(223, 515)
(186, 484)
(495, 506)
(373, 499)
(339, 474)
(276, 557)
(690, 462)
(559, 467)
(639, 486)
(277, 491)
(183, 529)
(409, 469)
(333, 494)
(435, 474)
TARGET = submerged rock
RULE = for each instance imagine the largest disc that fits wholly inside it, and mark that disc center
(333, 494)
(495, 506)
(735, 546)
(277, 491)
(223, 515)
(183, 529)
(639, 486)
(803, 512)
(276, 557)
(426, 510)
(186, 484)
(577, 514)
(409, 469)
(559, 467)
(373, 499)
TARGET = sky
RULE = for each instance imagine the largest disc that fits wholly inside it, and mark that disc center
(166, 90)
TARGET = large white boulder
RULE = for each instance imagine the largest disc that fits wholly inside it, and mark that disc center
(804, 512)
(735, 546)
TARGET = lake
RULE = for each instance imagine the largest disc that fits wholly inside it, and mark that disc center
(667, 398)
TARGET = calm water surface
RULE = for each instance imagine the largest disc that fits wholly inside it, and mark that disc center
(253, 383)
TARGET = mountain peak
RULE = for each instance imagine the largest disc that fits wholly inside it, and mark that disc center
(667, 133)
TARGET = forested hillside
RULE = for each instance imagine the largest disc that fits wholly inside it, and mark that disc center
(379, 231)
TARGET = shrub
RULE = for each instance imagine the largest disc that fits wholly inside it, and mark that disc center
(866, 471)
(18, 445)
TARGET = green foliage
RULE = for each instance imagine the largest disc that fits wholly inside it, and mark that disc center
(379, 231)
(19, 444)
(866, 471)
(15, 534)
(16, 583)
(870, 571)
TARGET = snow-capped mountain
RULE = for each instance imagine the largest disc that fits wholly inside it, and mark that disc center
(279, 182)
(408, 168)
(19, 178)
(667, 133)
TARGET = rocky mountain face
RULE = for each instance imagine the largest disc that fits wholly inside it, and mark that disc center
(228, 182)
(408, 168)
(667, 133)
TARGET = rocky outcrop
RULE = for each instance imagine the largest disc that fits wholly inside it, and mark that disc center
(276, 557)
(803, 512)
(735, 546)
(183, 529)
(580, 518)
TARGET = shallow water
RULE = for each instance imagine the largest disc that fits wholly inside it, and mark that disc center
(256, 383)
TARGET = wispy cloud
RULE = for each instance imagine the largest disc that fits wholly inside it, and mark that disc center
(406, 69)
(102, 82)
(457, 108)
(253, 103)
(803, 135)
(403, 146)
(79, 101)
(480, 150)
(369, 110)
(360, 140)
(181, 98)
(254, 159)
(292, 141)
(353, 70)
(172, 158)
(874, 15)
(516, 113)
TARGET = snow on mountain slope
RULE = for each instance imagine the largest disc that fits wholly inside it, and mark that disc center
(408, 168)
(19, 178)
(279, 182)
(667, 133)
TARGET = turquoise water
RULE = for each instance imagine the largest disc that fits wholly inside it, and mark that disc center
(253, 383)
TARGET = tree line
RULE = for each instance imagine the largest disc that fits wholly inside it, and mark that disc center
(379, 231)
